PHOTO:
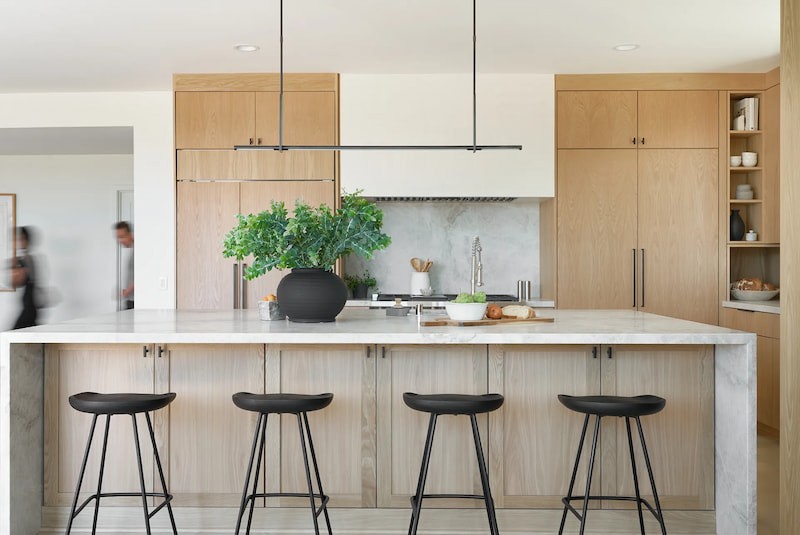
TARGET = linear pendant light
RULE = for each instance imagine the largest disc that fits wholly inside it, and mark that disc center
(474, 147)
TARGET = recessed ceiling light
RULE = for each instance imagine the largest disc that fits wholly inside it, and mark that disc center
(626, 48)
(247, 48)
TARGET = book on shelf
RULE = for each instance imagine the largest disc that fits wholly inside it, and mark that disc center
(745, 114)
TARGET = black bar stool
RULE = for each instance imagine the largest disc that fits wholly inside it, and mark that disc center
(624, 407)
(455, 404)
(299, 405)
(118, 404)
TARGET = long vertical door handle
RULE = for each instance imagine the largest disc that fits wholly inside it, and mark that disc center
(244, 287)
(235, 286)
(634, 277)
(643, 278)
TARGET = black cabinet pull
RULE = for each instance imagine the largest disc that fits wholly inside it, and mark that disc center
(369, 351)
(634, 277)
(608, 351)
(243, 298)
(160, 351)
(594, 352)
(251, 141)
(235, 286)
(383, 352)
(642, 278)
(633, 141)
(145, 351)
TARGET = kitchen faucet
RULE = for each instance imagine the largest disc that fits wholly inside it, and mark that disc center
(476, 269)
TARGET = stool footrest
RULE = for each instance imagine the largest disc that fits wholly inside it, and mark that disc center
(569, 506)
(324, 499)
(456, 496)
(167, 499)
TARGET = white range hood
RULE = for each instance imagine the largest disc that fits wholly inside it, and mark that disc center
(436, 109)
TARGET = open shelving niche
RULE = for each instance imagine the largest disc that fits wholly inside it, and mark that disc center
(760, 258)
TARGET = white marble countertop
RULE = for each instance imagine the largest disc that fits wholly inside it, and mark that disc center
(373, 326)
(770, 307)
(536, 303)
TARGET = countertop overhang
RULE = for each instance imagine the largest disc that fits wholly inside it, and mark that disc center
(355, 326)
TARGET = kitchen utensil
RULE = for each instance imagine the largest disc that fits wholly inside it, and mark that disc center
(523, 290)
(736, 161)
(427, 266)
(420, 281)
(478, 323)
(753, 295)
(465, 311)
(417, 264)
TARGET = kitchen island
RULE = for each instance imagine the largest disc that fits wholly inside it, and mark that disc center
(369, 444)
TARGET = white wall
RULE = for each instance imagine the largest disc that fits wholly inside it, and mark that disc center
(150, 115)
(71, 200)
(436, 109)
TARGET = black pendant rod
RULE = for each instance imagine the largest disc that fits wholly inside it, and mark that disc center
(474, 77)
(280, 96)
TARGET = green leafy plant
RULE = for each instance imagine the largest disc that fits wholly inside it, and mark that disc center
(366, 279)
(477, 297)
(312, 238)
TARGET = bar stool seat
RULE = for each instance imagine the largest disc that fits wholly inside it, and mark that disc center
(281, 403)
(116, 404)
(299, 405)
(95, 403)
(614, 405)
(630, 408)
(463, 404)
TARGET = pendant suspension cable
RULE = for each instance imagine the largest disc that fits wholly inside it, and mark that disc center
(280, 95)
(474, 77)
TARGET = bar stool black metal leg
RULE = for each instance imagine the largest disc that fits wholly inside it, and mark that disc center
(100, 476)
(574, 474)
(80, 476)
(258, 472)
(589, 475)
(652, 480)
(167, 495)
(416, 505)
(316, 472)
(487, 492)
(243, 505)
(141, 474)
(635, 475)
(308, 473)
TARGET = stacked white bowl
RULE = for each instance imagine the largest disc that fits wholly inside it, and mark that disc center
(744, 192)
(749, 159)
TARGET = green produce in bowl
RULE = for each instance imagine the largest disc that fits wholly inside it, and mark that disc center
(477, 297)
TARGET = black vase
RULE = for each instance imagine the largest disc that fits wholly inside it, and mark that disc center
(737, 226)
(310, 295)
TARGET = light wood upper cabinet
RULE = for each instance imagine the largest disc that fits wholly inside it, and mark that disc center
(209, 437)
(74, 368)
(596, 119)
(678, 231)
(678, 119)
(343, 433)
(214, 119)
(533, 438)
(596, 228)
(309, 118)
(680, 439)
(402, 431)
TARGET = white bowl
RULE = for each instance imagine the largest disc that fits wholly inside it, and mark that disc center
(736, 161)
(752, 295)
(744, 195)
(744, 187)
(749, 159)
(465, 311)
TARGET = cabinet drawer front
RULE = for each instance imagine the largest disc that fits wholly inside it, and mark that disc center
(761, 323)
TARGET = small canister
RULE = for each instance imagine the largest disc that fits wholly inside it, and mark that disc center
(523, 290)
(751, 235)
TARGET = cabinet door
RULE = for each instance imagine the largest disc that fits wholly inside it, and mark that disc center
(678, 222)
(214, 119)
(343, 432)
(596, 228)
(768, 388)
(596, 119)
(209, 437)
(402, 431)
(309, 118)
(533, 438)
(74, 368)
(678, 119)
(256, 197)
(680, 439)
(206, 212)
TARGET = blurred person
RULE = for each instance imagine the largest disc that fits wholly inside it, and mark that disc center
(23, 275)
(124, 234)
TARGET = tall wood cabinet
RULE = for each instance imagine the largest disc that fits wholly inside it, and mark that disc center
(634, 200)
(213, 113)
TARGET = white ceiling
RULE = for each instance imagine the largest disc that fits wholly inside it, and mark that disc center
(66, 140)
(95, 45)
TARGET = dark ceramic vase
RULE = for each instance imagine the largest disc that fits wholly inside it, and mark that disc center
(309, 295)
(737, 226)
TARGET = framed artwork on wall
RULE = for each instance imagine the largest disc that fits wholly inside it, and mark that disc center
(7, 238)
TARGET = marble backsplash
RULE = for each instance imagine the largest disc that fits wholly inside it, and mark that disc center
(443, 232)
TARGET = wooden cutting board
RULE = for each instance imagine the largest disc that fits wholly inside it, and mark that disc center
(444, 322)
